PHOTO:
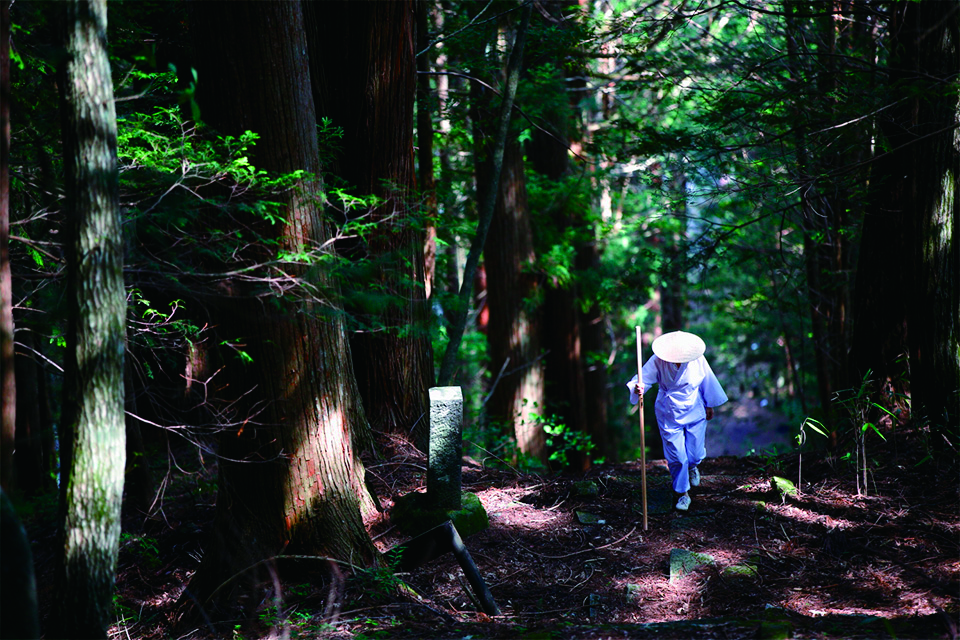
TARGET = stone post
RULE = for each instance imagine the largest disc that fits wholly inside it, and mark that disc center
(445, 451)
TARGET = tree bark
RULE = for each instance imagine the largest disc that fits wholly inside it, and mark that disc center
(928, 44)
(427, 181)
(564, 338)
(92, 439)
(364, 69)
(290, 474)
(513, 332)
(910, 235)
(829, 194)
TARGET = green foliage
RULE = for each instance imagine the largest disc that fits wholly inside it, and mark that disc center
(124, 613)
(813, 424)
(859, 406)
(562, 441)
(143, 546)
(380, 582)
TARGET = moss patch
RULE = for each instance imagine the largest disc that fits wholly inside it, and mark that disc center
(413, 515)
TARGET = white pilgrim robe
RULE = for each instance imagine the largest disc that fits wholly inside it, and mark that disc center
(680, 407)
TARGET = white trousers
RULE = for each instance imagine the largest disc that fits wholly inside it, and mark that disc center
(684, 446)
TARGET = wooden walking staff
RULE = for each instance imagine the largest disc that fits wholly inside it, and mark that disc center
(643, 444)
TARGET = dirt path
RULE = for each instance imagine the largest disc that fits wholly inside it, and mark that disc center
(567, 557)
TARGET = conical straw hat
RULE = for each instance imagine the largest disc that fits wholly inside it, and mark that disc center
(679, 346)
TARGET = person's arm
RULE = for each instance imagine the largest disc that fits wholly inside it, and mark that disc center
(636, 390)
(711, 393)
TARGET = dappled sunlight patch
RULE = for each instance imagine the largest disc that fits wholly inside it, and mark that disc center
(504, 508)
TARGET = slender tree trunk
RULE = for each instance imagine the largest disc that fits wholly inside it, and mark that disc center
(824, 204)
(363, 64)
(290, 475)
(595, 349)
(427, 183)
(92, 440)
(673, 290)
(487, 200)
(49, 464)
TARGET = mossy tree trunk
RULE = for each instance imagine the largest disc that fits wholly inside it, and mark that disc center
(92, 442)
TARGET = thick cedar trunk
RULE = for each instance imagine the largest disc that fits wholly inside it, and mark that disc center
(930, 41)
(574, 390)
(513, 332)
(910, 239)
(826, 200)
(364, 71)
(92, 440)
(290, 476)
(514, 320)
(565, 387)
(932, 45)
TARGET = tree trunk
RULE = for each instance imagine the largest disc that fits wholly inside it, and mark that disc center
(828, 193)
(673, 288)
(364, 71)
(563, 339)
(910, 238)
(427, 182)
(593, 336)
(513, 332)
(928, 42)
(92, 440)
(290, 475)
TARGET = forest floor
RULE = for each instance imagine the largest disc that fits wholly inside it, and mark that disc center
(567, 556)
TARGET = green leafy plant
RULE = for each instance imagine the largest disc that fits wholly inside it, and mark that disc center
(860, 407)
(125, 613)
(562, 440)
(817, 427)
(380, 582)
(145, 547)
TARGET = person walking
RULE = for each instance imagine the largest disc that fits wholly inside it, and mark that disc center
(688, 393)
